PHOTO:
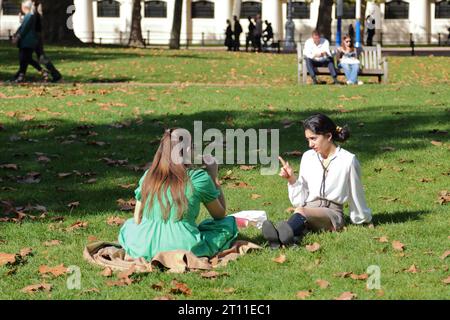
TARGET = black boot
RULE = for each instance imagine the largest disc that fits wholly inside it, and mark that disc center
(270, 233)
(285, 233)
(56, 76)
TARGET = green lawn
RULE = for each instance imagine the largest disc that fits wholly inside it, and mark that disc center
(392, 130)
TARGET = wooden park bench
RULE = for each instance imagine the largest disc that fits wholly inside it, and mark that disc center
(372, 64)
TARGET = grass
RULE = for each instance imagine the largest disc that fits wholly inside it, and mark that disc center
(401, 115)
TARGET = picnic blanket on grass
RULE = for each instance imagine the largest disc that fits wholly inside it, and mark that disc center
(112, 255)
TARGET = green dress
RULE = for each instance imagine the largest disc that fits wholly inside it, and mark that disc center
(154, 235)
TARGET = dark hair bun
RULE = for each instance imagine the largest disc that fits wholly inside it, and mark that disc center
(341, 134)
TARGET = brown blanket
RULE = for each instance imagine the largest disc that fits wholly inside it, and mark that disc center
(112, 255)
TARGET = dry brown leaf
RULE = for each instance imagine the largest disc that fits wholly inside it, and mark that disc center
(229, 290)
(347, 296)
(322, 283)
(280, 259)
(445, 254)
(77, 225)
(412, 269)
(246, 168)
(73, 205)
(115, 221)
(363, 276)
(24, 252)
(167, 297)
(92, 238)
(313, 247)
(303, 294)
(397, 245)
(343, 274)
(64, 174)
(447, 280)
(158, 286)
(382, 239)
(55, 271)
(180, 288)
(37, 287)
(436, 143)
(444, 197)
(255, 196)
(11, 166)
(290, 210)
(126, 205)
(7, 258)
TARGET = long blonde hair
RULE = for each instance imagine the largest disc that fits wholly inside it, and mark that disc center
(164, 173)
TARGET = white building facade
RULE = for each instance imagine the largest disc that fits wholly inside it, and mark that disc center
(204, 21)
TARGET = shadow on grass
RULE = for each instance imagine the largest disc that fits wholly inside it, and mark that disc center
(398, 217)
(70, 148)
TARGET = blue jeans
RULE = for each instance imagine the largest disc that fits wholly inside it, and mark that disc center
(351, 71)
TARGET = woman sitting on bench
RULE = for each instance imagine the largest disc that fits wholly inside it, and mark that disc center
(347, 57)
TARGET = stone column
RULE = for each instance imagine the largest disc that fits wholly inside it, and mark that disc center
(186, 22)
(126, 14)
(83, 20)
(419, 15)
(236, 8)
(271, 11)
(223, 11)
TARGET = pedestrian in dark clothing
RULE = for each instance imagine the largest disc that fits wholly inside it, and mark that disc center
(250, 39)
(268, 33)
(351, 32)
(237, 33)
(370, 27)
(229, 36)
(258, 33)
(26, 39)
(42, 57)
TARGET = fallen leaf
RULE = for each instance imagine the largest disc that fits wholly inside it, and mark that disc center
(447, 280)
(347, 296)
(115, 221)
(313, 247)
(363, 276)
(11, 166)
(126, 205)
(445, 254)
(229, 290)
(343, 274)
(91, 181)
(55, 271)
(37, 287)
(77, 225)
(158, 286)
(382, 239)
(92, 238)
(444, 197)
(7, 258)
(246, 168)
(436, 143)
(412, 269)
(280, 259)
(322, 283)
(127, 186)
(180, 288)
(397, 245)
(25, 252)
(255, 196)
(64, 174)
(73, 205)
(426, 180)
(125, 275)
(290, 210)
(303, 294)
(43, 159)
(107, 272)
(163, 298)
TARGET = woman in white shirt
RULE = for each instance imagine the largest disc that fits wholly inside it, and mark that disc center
(347, 57)
(329, 176)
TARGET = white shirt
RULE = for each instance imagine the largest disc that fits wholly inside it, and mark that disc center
(311, 49)
(342, 183)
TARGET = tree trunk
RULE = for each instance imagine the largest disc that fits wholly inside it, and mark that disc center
(56, 17)
(136, 39)
(176, 25)
(324, 20)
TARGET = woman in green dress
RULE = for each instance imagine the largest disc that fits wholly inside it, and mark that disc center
(168, 203)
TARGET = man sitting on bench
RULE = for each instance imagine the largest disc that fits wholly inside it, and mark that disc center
(317, 54)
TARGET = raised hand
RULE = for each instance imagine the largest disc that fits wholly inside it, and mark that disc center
(286, 171)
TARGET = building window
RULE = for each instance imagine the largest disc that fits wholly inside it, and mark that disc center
(203, 9)
(250, 9)
(300, 10)
(349, 11)
(11, 7)
(108, 9)
(396, 10)
(155, 9)
(442, 10)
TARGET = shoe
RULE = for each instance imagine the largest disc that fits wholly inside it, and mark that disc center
(360, 83)
(349, 82)
(270, 233)
(20, 78)
(56, 77)
(336, 82)
(314, 80)
(45, 75)
(285, 233)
